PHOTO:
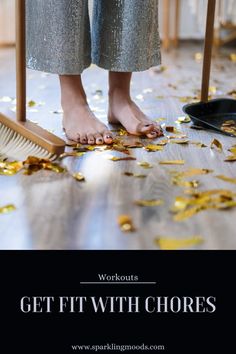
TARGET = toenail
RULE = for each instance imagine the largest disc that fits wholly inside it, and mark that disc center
(147, 125)
(109, 137)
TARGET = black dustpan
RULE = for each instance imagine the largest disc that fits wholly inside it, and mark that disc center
(218, 114)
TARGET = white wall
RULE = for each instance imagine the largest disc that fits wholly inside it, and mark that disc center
(7, 21)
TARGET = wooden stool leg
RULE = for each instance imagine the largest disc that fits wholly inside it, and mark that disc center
(209, 36)
(166, 24)
(176, 29)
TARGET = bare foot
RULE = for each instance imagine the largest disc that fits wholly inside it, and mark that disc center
(79, 122)
(82, 126)
(124, 111)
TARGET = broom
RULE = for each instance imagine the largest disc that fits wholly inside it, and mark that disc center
(20, 137)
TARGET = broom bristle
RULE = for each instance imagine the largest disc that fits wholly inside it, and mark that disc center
(15, 146)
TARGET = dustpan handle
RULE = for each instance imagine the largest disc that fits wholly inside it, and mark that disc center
(209, 37)
(20, 61)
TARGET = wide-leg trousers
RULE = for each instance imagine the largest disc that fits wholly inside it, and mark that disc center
(123, 37)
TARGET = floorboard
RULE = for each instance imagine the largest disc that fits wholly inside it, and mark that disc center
(54, 211)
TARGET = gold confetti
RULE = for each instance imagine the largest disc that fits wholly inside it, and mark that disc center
(227, 179)
(72, 144)
(137, 175)
(166, 243)
(71, 154)
(223, 193)
(186, 184)
(130, 174)
(196, 171)
(126, 223)
(90, 147)
(114, 158)
(198, 144)
(177, 177)
(187, 99)
(31, 103)
(198, 56)
(233, 57)
(78, 176)
(230, 158)
(148, 203)
(122, 132)
(10, 168)
(212, 90)
(229, 126)
(162, 142)
(160, 69)
(7, 209)
(119, 147)
(131, 145)
(216, 143)
(145, 164)
(179, 141)
(159, 119)
(232, 93)
(186, 207)
(184, 119)
(152, 148)
(178, 136)
(233, 149)
(34, 164)
(172, 162)
(172, 129)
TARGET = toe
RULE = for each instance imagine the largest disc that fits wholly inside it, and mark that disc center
(145, 128)
(91, 139)
(158, 129)
(99, 139)
(83, 139)
(152, 135)
(72, 136)
(107, 137)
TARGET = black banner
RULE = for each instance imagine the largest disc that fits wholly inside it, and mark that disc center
(79, 301)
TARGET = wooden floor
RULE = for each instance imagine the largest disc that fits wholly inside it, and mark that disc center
(54, 211)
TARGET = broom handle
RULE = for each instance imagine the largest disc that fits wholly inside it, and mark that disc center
(209, 37)
(20, 61)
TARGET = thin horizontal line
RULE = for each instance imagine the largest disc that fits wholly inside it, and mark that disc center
(117, 282)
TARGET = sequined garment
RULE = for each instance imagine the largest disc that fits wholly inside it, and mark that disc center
(124, 35)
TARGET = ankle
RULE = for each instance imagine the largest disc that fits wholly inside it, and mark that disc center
(72, 91)
(70, 99)
(118, 94)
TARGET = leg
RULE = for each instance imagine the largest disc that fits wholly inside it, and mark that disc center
(123, 110)
(58, 41)
(58, 36)
(125, 39)
(79, 122)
